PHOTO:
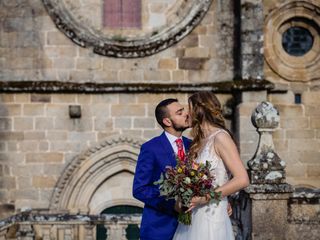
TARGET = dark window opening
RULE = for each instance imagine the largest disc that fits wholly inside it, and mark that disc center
(297, 41)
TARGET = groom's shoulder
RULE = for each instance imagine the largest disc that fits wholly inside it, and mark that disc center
(153, 141)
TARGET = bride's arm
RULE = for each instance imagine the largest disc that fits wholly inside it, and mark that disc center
(225, 148)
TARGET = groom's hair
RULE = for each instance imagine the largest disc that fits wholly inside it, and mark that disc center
(161, 111)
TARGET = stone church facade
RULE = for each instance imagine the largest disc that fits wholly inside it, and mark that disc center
(79, 81)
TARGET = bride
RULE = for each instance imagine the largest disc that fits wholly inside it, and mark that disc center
(212, 142)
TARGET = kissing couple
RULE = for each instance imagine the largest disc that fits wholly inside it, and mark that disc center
(211, 142)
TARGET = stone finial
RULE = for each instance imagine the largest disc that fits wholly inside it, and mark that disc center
(266, 167)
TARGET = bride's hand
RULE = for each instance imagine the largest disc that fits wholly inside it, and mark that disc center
(196, 201)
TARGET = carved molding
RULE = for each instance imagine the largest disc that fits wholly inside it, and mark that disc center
(114, 46)
(84, 174)
(71, 87)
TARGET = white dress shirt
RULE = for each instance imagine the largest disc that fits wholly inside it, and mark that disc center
(172, 139)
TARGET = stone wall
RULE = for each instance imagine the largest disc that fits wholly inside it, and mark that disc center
(32, 48)
(297, 92)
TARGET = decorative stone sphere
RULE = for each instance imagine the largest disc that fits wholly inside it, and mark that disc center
(265, 115)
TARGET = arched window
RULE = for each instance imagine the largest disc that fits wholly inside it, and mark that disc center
(132, 231)
(122, 14)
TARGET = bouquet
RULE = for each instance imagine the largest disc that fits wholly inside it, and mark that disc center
(185, 181)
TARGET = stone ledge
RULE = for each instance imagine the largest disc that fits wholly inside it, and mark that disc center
(87, 87)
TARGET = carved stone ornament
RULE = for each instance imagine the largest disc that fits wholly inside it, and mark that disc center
(84, 23)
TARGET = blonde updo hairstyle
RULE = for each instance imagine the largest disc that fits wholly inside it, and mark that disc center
(204, 108)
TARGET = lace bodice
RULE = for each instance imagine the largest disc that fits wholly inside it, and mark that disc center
(208, 153)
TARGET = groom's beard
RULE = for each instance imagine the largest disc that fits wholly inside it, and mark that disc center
(178, 127)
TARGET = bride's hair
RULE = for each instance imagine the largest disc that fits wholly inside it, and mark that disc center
(204, 108)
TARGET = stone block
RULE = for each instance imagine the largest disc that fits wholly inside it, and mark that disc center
(290, 110)
(195, 76)
(254, 96)
(207, 41)
(22, 98)
(81, 75)
(64, 63)
(192, 40)
(120, 122)
(89, 63)
(84, 99)
(57, 110)
(314, 170)
(33, 109)
(57, 135)
(246, 109)
(197, 52)
(313, 111)
(43, 123)
(5, 124)
(7, 98)
(82, 136)
(25, 194)
(43, 181)
(311, 98)
(178, 76)
(44, 157)
(43, 98)
(144, 122)
(8, 182)
(261, 210)
(305, 145)
(57, 38)
(155, 75)
(129, 76)
(192, 63)
(167, 64)
(148, 134)
(100, 110)
(34, 135)
(28, 146)
(103, 124)
(281, 98)
(128, 110)
(22, 123)
(11, 136)
(315, 122)
(294, 122)
(127, 98)
(43, 146)
(10, 110)
(135, 133)
(296, 170)
(150, 98)
(297, 133)
(105, 98)
(23, 182)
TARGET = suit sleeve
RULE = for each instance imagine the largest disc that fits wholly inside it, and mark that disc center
(143, 187)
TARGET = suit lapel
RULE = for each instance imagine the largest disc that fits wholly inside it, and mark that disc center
(168, 150)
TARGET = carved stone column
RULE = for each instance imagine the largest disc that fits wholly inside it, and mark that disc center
(268, 192)
(25, 232)
(116, 231)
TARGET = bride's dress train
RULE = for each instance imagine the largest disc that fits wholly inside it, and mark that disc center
(210, 221)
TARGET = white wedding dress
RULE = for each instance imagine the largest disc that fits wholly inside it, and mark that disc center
(210, 221)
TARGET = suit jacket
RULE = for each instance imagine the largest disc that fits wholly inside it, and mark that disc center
(159, 220)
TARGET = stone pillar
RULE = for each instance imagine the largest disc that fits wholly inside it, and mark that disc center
(268, 192)
(252, 23)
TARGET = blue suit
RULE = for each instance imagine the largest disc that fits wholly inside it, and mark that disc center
(159, 220)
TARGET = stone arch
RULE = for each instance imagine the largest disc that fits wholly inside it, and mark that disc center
(85, 178)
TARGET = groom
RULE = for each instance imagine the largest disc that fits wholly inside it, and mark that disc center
(159, 218)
